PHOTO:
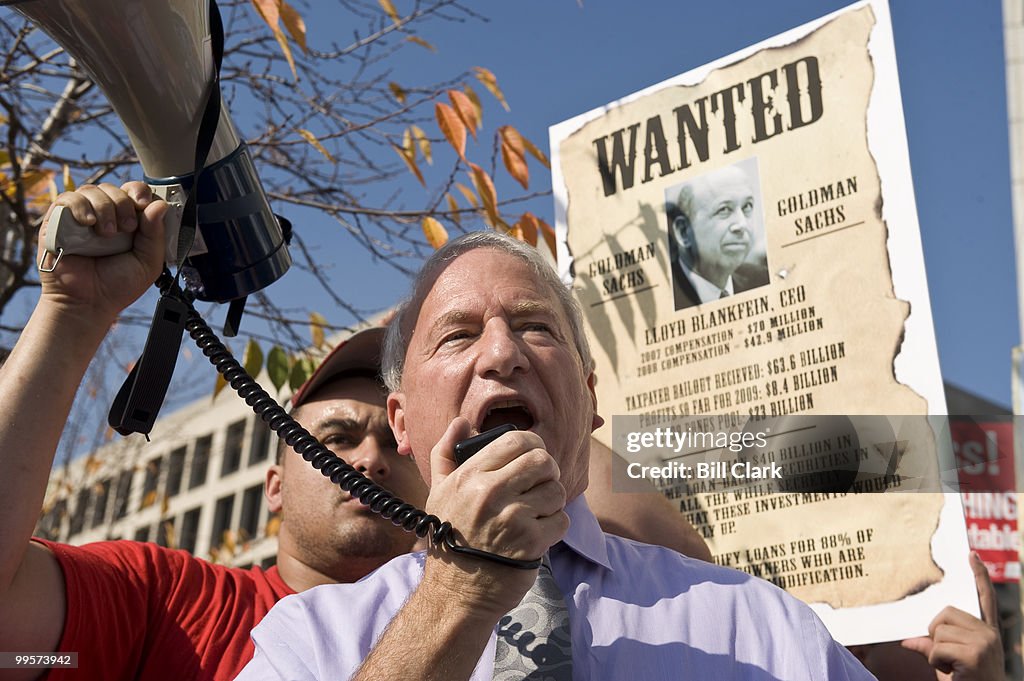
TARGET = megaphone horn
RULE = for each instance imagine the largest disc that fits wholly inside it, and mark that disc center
(154, 62)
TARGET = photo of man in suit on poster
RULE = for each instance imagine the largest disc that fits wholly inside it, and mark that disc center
(716, 235)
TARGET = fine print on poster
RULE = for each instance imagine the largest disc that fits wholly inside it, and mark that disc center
(744, 245)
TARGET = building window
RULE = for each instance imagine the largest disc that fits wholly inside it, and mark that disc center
(78, 517)
(189, 530)
(200, 462)
(233, 448)
(221, 520)
(259, 448)
(165, 533)
(249, 523)
(175, 471)
(142, 533)
(124, 492)
(151, 482)
(99, 509)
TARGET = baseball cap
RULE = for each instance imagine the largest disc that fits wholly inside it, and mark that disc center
(359, 353)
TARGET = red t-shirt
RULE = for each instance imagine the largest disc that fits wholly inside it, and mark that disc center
(138, 611)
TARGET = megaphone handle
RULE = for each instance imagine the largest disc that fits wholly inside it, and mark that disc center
(66, 236)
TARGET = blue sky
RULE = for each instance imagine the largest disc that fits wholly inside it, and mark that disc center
(555, 59)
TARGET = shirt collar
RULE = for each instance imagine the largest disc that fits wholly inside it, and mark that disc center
(585, 536)
(706, 291)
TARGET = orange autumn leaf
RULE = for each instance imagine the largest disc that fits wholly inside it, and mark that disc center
(490, 82)
(515, 164)
(468, 193)
(423, 142)
(475, 99)
(488, 196)
(452, 128)
(516, 232)
(270, 10)
(411, 163)
(421, 42)
(390, 10)
(398, 92)
(435, 232)
(528, 225)
(295, 25)
(311, 138)
(549, 235)
(453, 208)
(537, 153)
(467, 112)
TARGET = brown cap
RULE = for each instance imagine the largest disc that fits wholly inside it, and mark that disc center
(359, 354)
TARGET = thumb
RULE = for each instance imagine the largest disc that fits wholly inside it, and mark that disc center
(920, 644)
(149, 242)
(442, 456)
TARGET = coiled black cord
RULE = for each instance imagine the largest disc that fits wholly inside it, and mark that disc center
(380, 501)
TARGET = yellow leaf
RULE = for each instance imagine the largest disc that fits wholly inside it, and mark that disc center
(165, 505)
(471, 93)
(311, 138)
(411, 163)
(435, 232)
(220, 384)
(452, 128)
(515, 164)
(273, 526)
(490, 82)
(252, 358)
(468, 193)
(408, 146)
(316, 329)
(5, 158)
(69, 184)
(488, 196)
(423, 142)
(148, 500)
(421, 42)
(453, 208)
(465, 109)
(397, 91)
(287, 51)
(390, 9)
(295, 25)
(548, 234)
(537, 153)
(516, 232)
(268, 9)
(529, 227)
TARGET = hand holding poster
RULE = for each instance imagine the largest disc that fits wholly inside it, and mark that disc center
(743, 242)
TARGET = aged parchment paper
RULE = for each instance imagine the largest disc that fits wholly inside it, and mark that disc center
(812, 325)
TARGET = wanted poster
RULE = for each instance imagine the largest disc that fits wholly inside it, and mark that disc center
(743, 242)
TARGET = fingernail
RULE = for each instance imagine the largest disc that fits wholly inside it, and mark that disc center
(131, 223)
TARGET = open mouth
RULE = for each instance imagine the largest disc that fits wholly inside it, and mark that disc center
(514, 412)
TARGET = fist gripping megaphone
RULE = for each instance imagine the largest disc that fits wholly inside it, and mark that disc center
(154, 61)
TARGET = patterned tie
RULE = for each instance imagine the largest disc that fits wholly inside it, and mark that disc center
(533, 638)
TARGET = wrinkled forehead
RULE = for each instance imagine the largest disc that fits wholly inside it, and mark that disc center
(526, 292)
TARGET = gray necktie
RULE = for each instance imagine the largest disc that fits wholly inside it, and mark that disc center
(533, 638)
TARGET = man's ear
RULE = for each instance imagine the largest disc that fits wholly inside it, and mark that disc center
(592, 387)
(272, 488)
(396, 419)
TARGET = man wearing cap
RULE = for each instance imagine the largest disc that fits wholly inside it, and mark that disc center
(137, 611)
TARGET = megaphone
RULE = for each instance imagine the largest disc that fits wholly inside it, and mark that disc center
(153, 59)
